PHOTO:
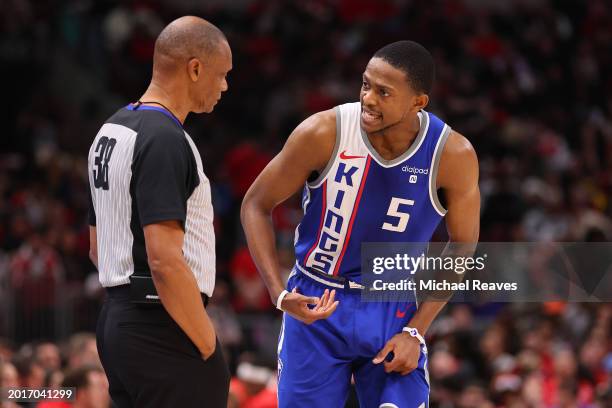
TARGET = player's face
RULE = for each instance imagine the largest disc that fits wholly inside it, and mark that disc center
(387, 99)
(212, 80)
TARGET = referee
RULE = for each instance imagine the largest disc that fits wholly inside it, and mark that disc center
(151, 230)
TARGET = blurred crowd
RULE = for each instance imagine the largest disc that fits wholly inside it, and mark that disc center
(41, 364)
(528, 82)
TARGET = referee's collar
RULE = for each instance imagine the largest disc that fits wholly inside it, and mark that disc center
(132, 107)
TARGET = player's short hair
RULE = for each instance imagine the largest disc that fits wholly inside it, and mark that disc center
(414, 60)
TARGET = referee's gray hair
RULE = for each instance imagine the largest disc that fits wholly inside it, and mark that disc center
(184, 38)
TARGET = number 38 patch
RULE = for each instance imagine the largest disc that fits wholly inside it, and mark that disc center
(104, 150)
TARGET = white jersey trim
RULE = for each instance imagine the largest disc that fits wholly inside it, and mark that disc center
(412, 150)
(332, 160)
(316, 278)
(433, 172)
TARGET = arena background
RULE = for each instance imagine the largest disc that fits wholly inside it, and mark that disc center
(528, 82)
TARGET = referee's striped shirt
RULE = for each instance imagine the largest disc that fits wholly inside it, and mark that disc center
(144, 168)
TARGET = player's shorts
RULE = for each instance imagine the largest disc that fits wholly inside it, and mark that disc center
(316, 362)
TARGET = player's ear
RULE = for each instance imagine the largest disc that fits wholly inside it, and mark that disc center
(194, 69)
(420, 102)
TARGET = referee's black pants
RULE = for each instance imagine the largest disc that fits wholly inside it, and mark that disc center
(150, 361)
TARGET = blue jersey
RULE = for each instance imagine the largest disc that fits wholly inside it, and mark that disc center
(361, 197)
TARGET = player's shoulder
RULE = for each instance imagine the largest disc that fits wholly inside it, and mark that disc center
(318, 131)
(319, 125)
(323, 126)
(313, 140)
(458, 163)
(458, 147)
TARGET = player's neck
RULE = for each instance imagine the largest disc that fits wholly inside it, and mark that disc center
(394, 140)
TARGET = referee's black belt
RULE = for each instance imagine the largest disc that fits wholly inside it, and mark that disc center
(124, 292)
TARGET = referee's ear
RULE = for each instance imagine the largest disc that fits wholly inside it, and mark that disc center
(194, 69)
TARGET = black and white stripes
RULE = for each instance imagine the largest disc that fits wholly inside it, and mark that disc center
(152, 173)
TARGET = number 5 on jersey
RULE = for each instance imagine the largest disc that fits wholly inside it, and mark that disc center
(394, 211)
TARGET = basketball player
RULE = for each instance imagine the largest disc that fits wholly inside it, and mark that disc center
(353, 162)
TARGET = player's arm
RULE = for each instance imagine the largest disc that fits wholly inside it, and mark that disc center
(458, 176)
(308, 149)
(176, 285)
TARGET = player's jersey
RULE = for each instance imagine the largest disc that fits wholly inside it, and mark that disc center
(361, 197)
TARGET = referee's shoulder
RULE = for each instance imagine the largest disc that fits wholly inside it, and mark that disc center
(150, 126)
(155, 125)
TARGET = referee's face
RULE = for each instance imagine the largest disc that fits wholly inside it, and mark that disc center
(212, 79)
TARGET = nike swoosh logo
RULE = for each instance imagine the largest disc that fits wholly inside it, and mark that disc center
(344, 156)
(399, 314)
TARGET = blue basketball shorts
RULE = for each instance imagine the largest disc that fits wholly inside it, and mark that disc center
(317, 362)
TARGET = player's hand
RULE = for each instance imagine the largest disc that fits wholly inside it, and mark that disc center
(297, 306)
(406, 351)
